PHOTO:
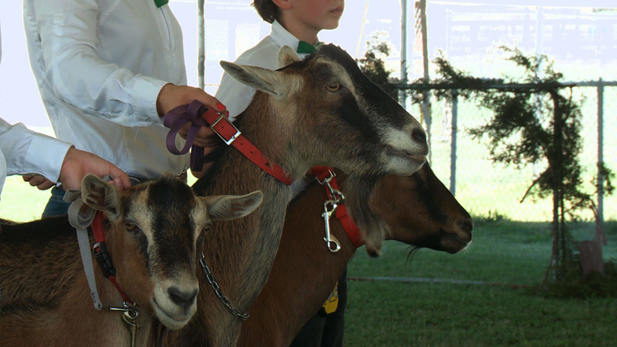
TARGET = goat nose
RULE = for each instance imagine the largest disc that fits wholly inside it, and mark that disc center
(419, 135)
(181, 298)
(466, 225)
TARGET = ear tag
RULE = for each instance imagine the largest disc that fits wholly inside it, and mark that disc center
(331, 304)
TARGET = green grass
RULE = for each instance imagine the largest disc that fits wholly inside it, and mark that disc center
(444, 314)
(395, 314)
(20, 202)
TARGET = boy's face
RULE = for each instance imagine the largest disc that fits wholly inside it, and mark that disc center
(318, 14)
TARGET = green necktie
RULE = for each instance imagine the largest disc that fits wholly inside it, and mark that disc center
(305, 47)
(160, 3)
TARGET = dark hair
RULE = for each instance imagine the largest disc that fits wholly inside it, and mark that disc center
(266, 9)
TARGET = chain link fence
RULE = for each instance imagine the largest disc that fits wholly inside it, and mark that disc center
(491, 189)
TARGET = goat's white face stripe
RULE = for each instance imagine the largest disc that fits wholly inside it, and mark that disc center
(141, 215)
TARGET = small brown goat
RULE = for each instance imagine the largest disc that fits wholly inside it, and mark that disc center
(420, 211)
(153, 232)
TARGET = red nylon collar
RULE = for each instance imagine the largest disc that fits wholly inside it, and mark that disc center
(102, 257)
(220, 124)
(341, 213)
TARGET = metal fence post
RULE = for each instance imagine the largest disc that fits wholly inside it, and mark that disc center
(201, 59)
(453, 141)
(426, 98)
(402, 92)
(600, 151)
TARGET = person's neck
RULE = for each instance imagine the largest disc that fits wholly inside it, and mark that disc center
(300, 31)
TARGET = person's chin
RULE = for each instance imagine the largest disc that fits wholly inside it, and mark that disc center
(331, 24)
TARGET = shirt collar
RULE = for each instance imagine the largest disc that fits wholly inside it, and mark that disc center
(282, 37)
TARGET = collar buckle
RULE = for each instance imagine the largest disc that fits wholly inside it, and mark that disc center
(233, 137)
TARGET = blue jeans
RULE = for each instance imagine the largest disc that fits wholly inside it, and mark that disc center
(56, 206)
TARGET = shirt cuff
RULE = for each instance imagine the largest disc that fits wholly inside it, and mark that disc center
(145, 93)
(45, 156)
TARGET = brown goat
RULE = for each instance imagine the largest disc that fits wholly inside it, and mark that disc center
(153, 232)
(419, 210)
(319, 111)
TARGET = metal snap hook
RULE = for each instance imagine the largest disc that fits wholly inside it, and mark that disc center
(333, 244)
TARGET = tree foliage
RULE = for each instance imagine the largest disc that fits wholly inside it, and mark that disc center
(374, 66)
(535, 119)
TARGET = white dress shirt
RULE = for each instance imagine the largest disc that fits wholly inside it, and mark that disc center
(237, 96)
(100, 65)
(23, 151)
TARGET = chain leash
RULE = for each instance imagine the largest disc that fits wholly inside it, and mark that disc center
(217, 290)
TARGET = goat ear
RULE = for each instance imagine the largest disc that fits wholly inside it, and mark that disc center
(101, 195)
(266, 80)
(228, 207)
(287, 56)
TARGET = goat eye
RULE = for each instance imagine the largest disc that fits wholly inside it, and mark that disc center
(130, 226)
(207, 228)
(333, 87)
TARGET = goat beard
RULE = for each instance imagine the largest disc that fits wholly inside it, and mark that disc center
(372, 227)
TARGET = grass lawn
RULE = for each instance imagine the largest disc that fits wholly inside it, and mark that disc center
(391, 313)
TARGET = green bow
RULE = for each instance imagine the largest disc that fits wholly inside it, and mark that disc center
(305, 47)
(160, 3)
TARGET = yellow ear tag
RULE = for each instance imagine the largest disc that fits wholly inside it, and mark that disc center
(331, 304)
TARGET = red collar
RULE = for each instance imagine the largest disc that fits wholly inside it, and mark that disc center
(102, 257)
(322, 173)
(220, 124)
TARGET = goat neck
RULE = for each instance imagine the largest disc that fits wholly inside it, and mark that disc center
(240, 253)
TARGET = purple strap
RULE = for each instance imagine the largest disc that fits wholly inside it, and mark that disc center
(175, 120)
